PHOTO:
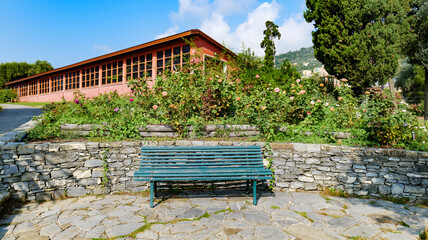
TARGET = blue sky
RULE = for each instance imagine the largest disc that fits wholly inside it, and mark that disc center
(64, 32)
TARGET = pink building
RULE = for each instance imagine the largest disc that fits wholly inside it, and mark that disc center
(110, 72)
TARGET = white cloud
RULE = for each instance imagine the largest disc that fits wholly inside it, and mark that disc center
(103, 48)
(211, 17)
(168, 32)
(296, 33)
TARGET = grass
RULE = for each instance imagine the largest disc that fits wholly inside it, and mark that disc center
(30, 104)
(305, 215)
(334, 192)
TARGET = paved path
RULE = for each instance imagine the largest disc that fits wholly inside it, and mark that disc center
(14, 116)
(282, 216)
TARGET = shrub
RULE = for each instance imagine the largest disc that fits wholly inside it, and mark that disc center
(8, 95)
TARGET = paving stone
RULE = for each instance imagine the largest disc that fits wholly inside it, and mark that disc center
(268, 232)
(95, 232)
(50, 230)
(362, 231)
(23, 227)
(192, 213)
(67, 234)
(123, 229)
(33, 235)
(306, 232)
(398, 236)
(148, 234)
(342, 223)
(257, 217)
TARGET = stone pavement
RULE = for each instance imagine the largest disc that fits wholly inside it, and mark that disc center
(198, 215)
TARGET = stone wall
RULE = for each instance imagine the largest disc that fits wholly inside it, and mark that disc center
(43, 171)
(359, 171)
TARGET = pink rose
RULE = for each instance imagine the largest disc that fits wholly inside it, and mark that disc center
(276, 90)
(291, 98)
(298, 80)
(131, 100)
(155, 107)
(164, 93)
(257, 76)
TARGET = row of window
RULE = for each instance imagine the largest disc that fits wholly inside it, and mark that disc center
(113, 72)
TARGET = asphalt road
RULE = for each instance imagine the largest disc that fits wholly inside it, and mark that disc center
(13, 116)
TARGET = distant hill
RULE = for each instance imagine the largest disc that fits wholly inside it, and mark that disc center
(303, 59)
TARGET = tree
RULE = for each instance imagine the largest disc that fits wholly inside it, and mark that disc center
(16, 70)
(410, 79)
(357, 39)
(416, 44)
(268, 44)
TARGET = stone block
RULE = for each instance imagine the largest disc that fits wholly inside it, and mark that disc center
(283, 146)
(183, 143)
(30, 176)
(305, 179)
(90, 182)
(60, 173)
(346, 179)
(397, 188)
(378, 180)
(43, 196)
(10, 169)
(92, 145)
(12, 146)
(21, 186)
(315, 161)
(56, 158)
(384, 189)
(128, 150)
(58, 194)
(310, 186)
(79, 174)
(414, 189)
(167, 143)
(94, 163)
(296, 185)
(25, 149)
(76, 191)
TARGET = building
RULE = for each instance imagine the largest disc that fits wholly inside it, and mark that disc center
(110, 72)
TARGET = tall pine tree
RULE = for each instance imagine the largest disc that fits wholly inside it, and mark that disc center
(358, 39)
(270, 33)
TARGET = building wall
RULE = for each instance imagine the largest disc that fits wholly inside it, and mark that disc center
(28, 90)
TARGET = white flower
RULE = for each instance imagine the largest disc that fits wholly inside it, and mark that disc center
(404, 110)
(326, 104)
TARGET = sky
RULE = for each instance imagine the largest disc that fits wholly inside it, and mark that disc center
(64, 32)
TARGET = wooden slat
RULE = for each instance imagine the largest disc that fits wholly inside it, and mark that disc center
(205, 178)
(201, 160)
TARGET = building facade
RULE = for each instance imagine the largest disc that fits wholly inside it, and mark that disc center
(111, 72)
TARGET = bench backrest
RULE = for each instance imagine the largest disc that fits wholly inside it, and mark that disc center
(203, 156)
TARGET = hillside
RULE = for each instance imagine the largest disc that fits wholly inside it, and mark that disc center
(303, 59)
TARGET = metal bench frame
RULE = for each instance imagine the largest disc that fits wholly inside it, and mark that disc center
(201, 164)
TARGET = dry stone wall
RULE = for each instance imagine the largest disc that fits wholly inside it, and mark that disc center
(44, 171)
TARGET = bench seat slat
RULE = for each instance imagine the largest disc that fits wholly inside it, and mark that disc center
(205, 178)
(203, 170)
(209, 153)
(215, 148)
(201, 160)
(198, 164)
(201, 157)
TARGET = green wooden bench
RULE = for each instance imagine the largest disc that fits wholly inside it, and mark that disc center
(160, 164)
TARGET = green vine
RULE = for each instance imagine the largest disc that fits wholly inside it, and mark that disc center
(104, 181)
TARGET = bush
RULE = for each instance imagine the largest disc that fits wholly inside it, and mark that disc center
(8, 95)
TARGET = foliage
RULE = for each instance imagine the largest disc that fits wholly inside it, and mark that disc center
(303, 59)
(282, 106)
(268, 44)
(411, 81)
(16, 70)
(358, 40)
(8, 95)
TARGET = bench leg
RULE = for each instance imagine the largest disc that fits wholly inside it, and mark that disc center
(255, 192)
(151, 193)
(156, 189)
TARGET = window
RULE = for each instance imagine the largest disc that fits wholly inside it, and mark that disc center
(90, 77)
(172, 58)
(33, 88)
(72, 80)
(57, 83)
(44, 86)
(139, 67)
(112, 72)
(23, 90)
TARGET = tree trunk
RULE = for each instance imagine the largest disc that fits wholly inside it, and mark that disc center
(392, 90)
(426, 94)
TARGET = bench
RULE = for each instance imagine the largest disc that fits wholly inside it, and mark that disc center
(203, 163)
